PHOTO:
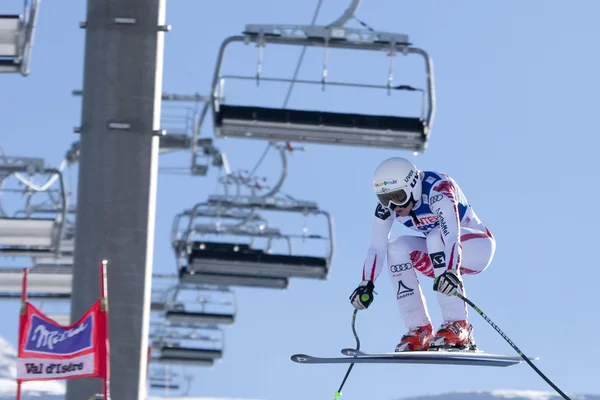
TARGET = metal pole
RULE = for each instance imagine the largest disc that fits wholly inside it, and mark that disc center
(116, 196)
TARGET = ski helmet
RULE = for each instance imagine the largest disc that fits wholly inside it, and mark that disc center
(397, 181)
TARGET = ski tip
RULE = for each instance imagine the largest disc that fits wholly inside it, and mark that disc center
(337, 395)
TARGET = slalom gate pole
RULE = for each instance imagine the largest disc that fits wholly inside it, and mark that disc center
(338, 394)
(469, 302)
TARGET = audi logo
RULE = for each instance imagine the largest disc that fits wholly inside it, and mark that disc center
(435, 199)
(400, 267)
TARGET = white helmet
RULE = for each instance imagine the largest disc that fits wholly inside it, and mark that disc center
(397, 181)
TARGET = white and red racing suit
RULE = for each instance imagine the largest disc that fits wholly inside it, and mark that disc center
(454, 238)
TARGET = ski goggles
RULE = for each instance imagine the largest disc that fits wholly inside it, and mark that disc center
(397, 198)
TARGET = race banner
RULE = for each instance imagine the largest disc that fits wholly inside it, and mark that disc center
(48, 350)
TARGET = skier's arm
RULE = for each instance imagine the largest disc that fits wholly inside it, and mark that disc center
(380, 233)
(362, 296)
(443, 202)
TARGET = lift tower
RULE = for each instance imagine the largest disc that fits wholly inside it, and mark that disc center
(121, 102)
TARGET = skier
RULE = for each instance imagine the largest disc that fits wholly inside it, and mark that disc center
(455, 242)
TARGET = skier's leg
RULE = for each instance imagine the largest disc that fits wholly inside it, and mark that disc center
(409, 296)
(478, 248)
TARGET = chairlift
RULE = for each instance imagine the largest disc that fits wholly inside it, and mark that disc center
(178, 313)
(200, 317)
(180, 130)
(191, 353)
(191, 276)
(324, 127)
(164, 332)
(65, 260)
(242, 259)
(184, 361)
(162, 385)
(175, 350)
(16, 39)
(157, 357)
(162, 376)
(201, 310)
(169, 143)
(33, 234)
(42, 283)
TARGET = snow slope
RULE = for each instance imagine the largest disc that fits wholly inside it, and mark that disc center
(39, 390)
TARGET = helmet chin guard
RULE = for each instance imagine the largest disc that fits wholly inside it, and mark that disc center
(397, 181)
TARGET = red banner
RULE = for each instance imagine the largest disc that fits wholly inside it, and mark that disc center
(48, 350)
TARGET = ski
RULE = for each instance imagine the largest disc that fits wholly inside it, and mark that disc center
(413, 357)
(463, 356)
(354, 352)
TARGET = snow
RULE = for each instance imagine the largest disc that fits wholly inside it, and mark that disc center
(40, 390)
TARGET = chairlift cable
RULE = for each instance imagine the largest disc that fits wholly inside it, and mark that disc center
(364, 24)
(301, 58)
(291, 87)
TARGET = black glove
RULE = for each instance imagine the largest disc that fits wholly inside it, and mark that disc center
(362, 296)
(447, 282)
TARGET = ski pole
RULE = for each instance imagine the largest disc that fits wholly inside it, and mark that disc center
(469, 302)
(338, 394)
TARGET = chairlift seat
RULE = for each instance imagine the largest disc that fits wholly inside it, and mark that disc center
(36, 296)
(10, 26)
(190, 276)
(207, 257)
(9, 65)
(200, 317)
(205, 362)
(321, 127)
(191, 353)
(157, 385)
(49, 284)
(26, 232)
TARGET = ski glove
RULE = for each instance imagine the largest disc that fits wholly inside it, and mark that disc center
(362, 296)
(447, 282)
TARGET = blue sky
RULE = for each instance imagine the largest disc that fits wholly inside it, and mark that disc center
(516, 86)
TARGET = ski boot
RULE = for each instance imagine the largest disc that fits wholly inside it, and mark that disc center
(416, 339)
(454, 335)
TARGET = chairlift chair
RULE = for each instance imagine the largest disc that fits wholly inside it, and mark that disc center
(178, 313)
(192, 362)
(210, 259)
(162, 376)
(186, 352)
(34, 235)
(316, 126)
(42, 283)
(16, 39)
(191, 353)
(162, 385)
(177, 308)
(200, 317)
(190, 276)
